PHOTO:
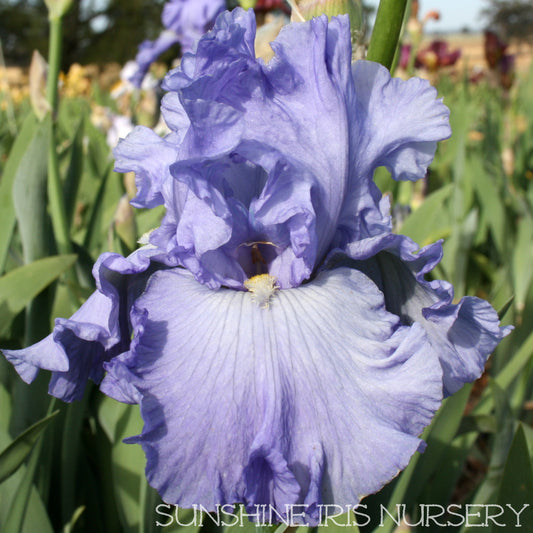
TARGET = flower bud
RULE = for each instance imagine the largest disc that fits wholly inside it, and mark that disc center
(37, 83)
(354, 8)
(247, 4)
(315, 8)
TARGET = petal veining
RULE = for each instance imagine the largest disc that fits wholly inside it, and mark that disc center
(321, 396)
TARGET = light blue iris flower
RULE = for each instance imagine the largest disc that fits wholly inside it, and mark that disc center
(185, 21)
(282, 343)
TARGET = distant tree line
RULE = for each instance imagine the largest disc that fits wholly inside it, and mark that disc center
(95, 31)
(512, 19)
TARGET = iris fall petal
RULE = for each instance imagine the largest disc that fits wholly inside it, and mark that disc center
(312, 401)
(464, 333)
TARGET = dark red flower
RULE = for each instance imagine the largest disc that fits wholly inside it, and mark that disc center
(498, 61)
(405, 54)
(269, 5)
(494, 48)
(437, 55)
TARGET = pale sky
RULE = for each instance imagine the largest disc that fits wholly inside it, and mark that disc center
(455, 14)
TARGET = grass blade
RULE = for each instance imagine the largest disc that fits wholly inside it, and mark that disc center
(17, 452)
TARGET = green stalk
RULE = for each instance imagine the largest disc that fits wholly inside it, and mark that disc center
(55, 192)
(386, 32)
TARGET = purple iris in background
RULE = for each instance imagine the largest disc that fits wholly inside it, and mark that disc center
(434, 57)
(437, 55)
(282, 343)
(185, 21)
(501, 64)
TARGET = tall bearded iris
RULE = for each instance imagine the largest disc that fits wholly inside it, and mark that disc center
(282, 343)
(185, 21)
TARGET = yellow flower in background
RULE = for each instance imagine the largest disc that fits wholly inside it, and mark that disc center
(13, 87)
(77, 82)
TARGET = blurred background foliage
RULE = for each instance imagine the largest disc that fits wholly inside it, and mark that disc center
(95, 31)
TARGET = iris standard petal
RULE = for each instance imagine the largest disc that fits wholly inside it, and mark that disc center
(230, 43)
(308, 108)
(305, 115)
(415, 120)
(175, 116)
(284, 214)
(149, 156)
(320, 397)
(204, 245)
(238, 204)
(293, 109)
(212, 192)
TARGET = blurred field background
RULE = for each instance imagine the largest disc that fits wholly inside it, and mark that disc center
(78, 476)
(470, 44)
(473, 54)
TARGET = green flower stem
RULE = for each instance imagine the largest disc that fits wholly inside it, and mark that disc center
(55, 191)
(54, 60)
(386, 32)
